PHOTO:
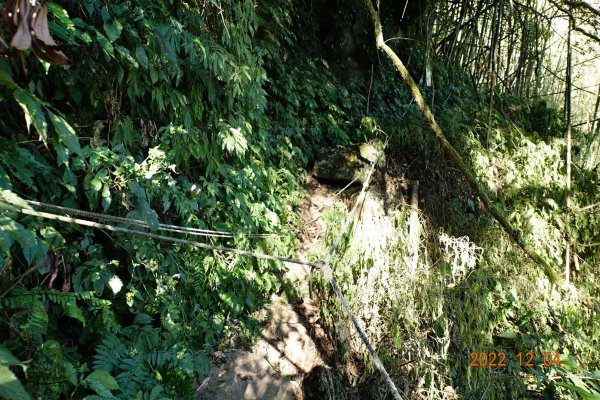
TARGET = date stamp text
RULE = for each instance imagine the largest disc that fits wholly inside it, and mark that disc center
(525, 359)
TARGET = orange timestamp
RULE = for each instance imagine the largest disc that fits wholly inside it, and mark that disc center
(525, 359)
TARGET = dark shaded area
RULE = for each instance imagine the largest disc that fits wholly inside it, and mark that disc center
(341, 32)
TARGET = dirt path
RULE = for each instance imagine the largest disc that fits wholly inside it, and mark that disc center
(285, 350)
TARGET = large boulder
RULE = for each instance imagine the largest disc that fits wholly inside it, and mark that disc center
(346, 163)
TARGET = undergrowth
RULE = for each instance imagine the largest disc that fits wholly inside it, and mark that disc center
(205, 114)
(191, 114)
(473, 291)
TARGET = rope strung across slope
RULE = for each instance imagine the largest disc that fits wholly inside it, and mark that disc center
(137, 222)
(324, 266)
(201, 245)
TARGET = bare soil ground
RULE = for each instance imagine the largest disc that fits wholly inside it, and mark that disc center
(291, 343)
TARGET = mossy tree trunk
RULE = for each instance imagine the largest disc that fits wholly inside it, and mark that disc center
(453, 154)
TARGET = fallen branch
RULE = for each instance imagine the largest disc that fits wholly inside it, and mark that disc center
(453, 154)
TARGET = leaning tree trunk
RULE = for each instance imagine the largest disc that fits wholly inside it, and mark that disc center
(453, 154)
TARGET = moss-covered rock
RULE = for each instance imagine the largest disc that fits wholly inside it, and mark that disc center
(345, 163)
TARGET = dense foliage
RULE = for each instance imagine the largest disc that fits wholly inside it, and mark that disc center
(163, 113)
(205, 114)
(473, 290)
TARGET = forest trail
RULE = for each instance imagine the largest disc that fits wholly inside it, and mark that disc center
(284, 351)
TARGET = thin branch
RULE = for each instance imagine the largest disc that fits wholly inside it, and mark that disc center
(583, 4)
(29, 271)
(574, 26)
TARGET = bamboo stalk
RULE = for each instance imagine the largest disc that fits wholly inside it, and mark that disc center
(568, 156)
(453, 154)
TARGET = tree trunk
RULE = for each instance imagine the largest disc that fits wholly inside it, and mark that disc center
(593, 145)
(494, 44)
(453, 154)
(568, 157)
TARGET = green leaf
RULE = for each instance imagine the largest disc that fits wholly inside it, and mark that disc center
(106, 198)
(70, 181)
(33, 113)
(35, 251)
(142, 319)
(105, 44)
(92, 184)
(62, 153)
(10, 201)
(157, 393)
(580, 391)
(141, 56)
(569, 362)
(508, 335)
(7, 359)
(33, 248)
(61, 14)
(153, 75)
(104, 379)
(10, 387)
(6, 79)
(70, 308)
(143, 209)
(113, 31)
(123, 51)
(166, 47)
(96, 184)
(233, 141)
(66, 133)
(4, 180)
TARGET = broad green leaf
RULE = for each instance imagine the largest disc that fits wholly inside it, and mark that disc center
(157, 393)
(70, 181)
(33, 248)
(6, 239)
(6, 79)
(61, 14)
(106, 45)
(142, 319)
(113, 31)
(35, 251)
(233, 141)
(153, 75)
(143, 209)
(96, 184)
(62, 153)
(10, 387)
(141, 56)
(10, 201)
(582, 391)
(508, 335)
(166, 48)
(569, 362)
(89, 6)
(100, 389)
(7, 359)
(124, 52)
(4, 180)
(106, 198)
(33, 113)
(66, 133)
(104, 379)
